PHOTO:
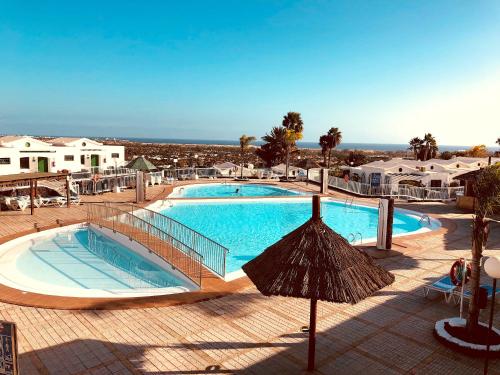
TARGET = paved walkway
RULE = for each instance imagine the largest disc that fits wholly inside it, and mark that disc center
(388, 333)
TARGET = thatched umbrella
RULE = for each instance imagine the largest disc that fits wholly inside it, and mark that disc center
(316, 263)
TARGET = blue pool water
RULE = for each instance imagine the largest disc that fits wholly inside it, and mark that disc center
(68, 259)
(232, 191)
(248, 228)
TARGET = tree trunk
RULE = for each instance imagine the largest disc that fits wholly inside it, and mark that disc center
(324, 158)
(477, 250)
(329, 157)
(241, 166)
(287, 161)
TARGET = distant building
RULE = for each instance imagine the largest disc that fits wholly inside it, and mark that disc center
(430, 173)
(22, 154)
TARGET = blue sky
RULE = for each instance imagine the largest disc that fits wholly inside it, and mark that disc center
(382, 71)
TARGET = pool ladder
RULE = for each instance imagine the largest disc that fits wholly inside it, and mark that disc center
(351, 238)
(348, 204)
(167, 202)
(424, 218)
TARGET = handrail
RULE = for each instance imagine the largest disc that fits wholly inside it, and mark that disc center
(214, 254)
(423, 218)
(178, 254)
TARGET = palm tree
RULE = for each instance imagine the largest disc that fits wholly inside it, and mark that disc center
(416, 145)
(331, 140)
(273, 151)
(294, 126)
(487, 193)
(498, 141)
(323, 142)
(244, 143)
(430, 147)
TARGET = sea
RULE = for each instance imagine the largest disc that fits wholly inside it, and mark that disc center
(313, 145)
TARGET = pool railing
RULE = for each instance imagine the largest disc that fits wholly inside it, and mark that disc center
(214, 254)
(175, 252)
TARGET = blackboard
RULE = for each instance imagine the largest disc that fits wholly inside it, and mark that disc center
(8, 349)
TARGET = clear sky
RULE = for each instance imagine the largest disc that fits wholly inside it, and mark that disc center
(381, 71)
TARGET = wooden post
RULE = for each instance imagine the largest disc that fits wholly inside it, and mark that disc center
(390, 220)
(316, 208)
(32, 203)
(312, 336)
(490, 325)
(68, 193)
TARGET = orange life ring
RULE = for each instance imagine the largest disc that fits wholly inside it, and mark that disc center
(457, 272)
(96, 178)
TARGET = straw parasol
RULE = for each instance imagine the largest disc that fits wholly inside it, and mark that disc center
(316, 263)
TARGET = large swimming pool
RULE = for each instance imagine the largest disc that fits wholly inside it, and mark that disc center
(247, 227)
(231, 191)
(82, 262)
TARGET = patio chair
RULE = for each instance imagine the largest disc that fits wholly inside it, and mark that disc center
(443, 285)
(74, 200)
(17, 203)
(51, 201)
(468, 293)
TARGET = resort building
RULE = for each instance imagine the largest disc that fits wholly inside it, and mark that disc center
(23, 154)
(431, 173)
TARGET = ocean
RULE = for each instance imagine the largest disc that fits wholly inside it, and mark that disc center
(342, 146)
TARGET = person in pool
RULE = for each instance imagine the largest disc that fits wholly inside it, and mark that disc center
(237, 191)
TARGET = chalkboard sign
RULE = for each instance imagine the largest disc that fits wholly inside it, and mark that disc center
(8, 349)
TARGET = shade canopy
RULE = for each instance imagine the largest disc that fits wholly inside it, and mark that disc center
(315, 262)
(140, 163)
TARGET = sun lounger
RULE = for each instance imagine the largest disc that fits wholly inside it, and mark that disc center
(73, 200)
(468, 293)
(443, 285)
(51, 201)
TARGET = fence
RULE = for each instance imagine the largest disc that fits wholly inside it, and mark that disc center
(214, 254)
(170, 249)
(390, 190)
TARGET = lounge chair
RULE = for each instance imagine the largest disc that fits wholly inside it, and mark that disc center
(443, 285)
(75, 200)
(51, 201)
(16, 203)
(468, 293)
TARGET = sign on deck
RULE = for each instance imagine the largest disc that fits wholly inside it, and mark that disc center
(8, 349)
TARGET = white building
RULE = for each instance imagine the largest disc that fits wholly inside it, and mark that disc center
(430, 173)
(22, 154)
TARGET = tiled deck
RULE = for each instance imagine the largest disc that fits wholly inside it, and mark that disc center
(389, 333)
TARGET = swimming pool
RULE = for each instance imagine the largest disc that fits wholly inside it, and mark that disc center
(81, 261)
(231, 191)
(247, 227)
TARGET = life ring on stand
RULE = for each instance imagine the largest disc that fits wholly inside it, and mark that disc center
(457, 272)
(96, 178)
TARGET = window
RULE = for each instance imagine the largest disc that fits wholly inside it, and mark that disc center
(82, 159)
(27, 144)
(4, 160)
(69, 157)
(115, 155)
(24, 163)
(400, 169)
(458, 165)
(84, 144)
(435, 183)
(432, 167)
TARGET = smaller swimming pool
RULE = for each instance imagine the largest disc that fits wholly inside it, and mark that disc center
(82, 262)
(232, 190)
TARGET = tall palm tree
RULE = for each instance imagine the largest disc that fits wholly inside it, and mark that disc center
(323, 142)
(498, 141)
(273, 151)
(416, 145)
(487, 193)
(430, 147)
(331, 140)
(294, 126)
(245, 141)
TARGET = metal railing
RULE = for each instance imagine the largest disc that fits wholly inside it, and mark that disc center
(214, 254)
(390, 190)
(177, 253)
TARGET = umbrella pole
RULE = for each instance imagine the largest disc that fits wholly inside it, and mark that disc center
(312, 335)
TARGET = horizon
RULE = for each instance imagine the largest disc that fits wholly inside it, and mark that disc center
(382, 72)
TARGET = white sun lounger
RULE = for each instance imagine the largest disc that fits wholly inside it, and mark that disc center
(443, 285)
